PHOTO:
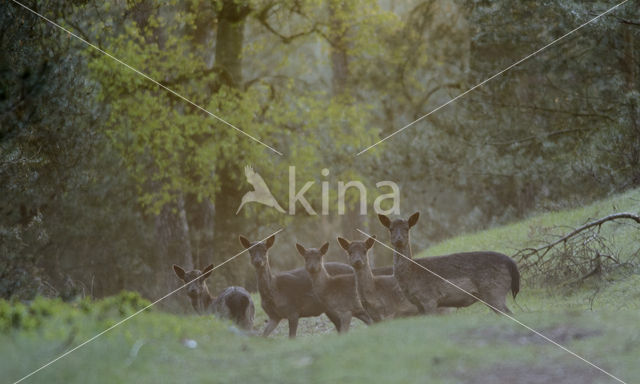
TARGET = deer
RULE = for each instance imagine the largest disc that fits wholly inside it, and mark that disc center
(381, 296)
(338, 294)
(487, 276)
(286, 295)
(234, 303)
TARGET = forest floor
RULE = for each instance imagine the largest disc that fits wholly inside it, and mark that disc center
(597, 319)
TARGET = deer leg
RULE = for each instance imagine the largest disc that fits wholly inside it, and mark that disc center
(364, 316)
(345, 322)
(293, 326)
(271, 325)
(498, 304)
(335, 319)
(428, 305)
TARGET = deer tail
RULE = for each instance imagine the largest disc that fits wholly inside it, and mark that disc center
(515, 276)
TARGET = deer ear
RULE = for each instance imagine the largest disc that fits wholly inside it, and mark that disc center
(384, 220)
(324, 248)
(244, 241)
(270, 241)
(370, 241)
(344, 243)
(207, 271)
(301, 250)
(179, 271)
(414, 219)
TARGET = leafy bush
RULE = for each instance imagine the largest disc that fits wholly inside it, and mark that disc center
(16, 315)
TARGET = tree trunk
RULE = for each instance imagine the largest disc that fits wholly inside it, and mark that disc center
(172, 232)
(339, 54)
(229, 44)
(631, 75)
(230, 40)
(340, 86)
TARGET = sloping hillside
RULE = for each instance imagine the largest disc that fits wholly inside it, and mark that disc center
(597, 320)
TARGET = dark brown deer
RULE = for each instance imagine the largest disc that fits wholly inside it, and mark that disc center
(234, 303)
(381, 296)
(338, 294)
(486, 275)
(286, 295)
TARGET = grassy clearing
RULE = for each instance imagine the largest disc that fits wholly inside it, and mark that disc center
(442, 349)
(467, 346)
(510, 238)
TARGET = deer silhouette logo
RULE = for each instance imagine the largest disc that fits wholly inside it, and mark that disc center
(260, 194)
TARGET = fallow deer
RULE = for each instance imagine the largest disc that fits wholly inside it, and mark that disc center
(338, 294)
(486, 275)
(233, 303)
(381, 296)
(286, 295)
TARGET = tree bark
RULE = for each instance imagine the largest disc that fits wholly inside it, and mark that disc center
(338, 48)
(339, 55)
(172, 231)
(229, 44)
(230, 40)
(630, 69)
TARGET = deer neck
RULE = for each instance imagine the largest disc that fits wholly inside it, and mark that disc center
(319, 280)
(364, 281)
(400, 263)
(265, 280)
(207, 298)
(203, 302)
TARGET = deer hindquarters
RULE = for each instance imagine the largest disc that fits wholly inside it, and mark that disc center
(235, 303)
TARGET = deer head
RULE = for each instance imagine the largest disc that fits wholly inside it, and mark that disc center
(197, 288)
(258, 250)
(357, 251)
(312, 257)
(399, 229)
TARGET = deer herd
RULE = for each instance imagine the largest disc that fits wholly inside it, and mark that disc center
(426, 285)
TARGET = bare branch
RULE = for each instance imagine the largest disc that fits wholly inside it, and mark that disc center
(263, 19)
(526, 252)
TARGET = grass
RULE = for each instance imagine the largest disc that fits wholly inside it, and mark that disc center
(469, 345)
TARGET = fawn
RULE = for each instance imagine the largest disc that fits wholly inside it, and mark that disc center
(486, 275)
(381, 296)
(286, 295)
(233, 303)
(338, 293)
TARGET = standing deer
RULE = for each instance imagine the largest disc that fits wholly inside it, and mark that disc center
(338, 294)
(233, 303)
(486, 275)
(286, 295)
(381, 296)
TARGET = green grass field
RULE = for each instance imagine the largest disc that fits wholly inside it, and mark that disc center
(597, 320)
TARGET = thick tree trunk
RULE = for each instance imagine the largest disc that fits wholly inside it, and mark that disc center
(339, 54)
(230, 40)
(229, 44)
(631, 76)
(340, 85)
(172, 232)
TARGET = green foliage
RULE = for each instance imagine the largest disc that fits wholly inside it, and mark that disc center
(442, 349)
(19, 316)
(172, 148)
(121, 305)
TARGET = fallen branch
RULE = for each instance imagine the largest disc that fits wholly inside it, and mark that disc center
(575, 256)
(596, 223)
